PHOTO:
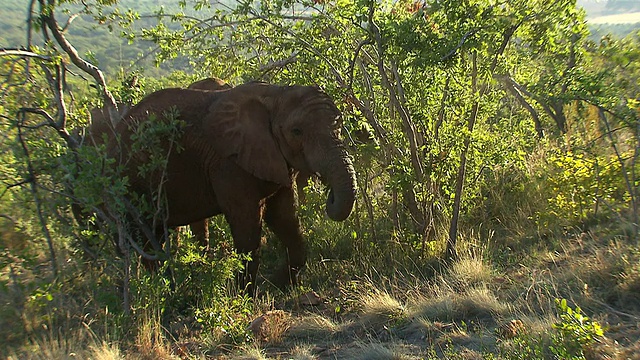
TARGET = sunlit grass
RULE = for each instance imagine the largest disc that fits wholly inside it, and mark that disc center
(67, 344)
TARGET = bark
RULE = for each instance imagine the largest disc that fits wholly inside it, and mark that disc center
(51, 23)
(631, 189)
(450, 252)
(510, 86)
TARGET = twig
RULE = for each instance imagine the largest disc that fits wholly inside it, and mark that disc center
(36, 198)
(23, 53)
(617, 312)
(460, 43)
(51, 23)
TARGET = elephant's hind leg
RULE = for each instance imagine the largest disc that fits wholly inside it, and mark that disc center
(280, 216)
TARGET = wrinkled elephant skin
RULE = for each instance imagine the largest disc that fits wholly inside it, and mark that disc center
(239, 150)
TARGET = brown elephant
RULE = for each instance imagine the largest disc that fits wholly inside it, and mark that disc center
(100, 125)
(209, 84)
(240, 151)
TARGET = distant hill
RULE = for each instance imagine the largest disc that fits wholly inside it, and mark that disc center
(616, 17)
(597, 8)
(621, 7)
(94, 41)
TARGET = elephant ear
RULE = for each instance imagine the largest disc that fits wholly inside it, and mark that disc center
(242, 130)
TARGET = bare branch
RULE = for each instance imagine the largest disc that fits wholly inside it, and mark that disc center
(36, 197)
(51, 23)
(264, 69)
(352, 64)
(50, 121)
(69, 21)
(460, 43)
(306, 45)
(510, 86)
(23, 53)
(28, 180)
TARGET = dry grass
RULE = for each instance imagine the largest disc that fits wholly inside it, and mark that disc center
(458, 314)
(250, 352)
(469, 272)
(150, 342)
(380, 308)
(314, 327)
(270, 326)
(79, 344)
(302, 352)
(377, 351)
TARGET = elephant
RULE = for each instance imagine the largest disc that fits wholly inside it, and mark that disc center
(240, 151)
(100, 125)
(209, 84)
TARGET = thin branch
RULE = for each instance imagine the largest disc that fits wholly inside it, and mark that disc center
(28, 180)
(69, 21)
(393, 95)
(509, 85)
(23, 53)
(306, 44)
(264, 69)
(36, 197)
(623, 168)
(460, 43)
(352, 64)
(51, 23)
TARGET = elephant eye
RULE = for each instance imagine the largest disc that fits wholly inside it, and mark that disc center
(296, 131)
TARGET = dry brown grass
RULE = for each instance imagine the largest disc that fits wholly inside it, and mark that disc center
(150, 342)
(314, 327)
(77, 344)
(377, 351)
(270, 326)
(379, 308)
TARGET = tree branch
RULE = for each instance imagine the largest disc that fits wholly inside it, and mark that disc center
(36, 197)
(48, 18)
(509, 84)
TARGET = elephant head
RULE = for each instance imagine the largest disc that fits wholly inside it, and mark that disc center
(275, 129)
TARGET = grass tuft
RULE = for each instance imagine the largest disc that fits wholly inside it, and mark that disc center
(380, 307)
(476, 303)
(468, 272)
(377, 351)
(313, 327)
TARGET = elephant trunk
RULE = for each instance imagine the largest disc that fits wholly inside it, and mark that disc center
(337, 171)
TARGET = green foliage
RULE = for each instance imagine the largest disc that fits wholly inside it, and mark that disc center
(575, 332)
(524, 346)
(572, 337)
(579, 184)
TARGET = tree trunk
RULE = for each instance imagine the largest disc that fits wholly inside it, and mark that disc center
(451, 253)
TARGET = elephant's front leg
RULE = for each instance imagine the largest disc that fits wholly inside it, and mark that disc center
(242, 204)
(245, 223)
(280, 216)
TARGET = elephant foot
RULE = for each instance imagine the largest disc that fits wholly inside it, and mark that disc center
(286, 278)
(246, 279)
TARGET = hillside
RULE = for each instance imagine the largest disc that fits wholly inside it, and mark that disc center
(96, 42)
